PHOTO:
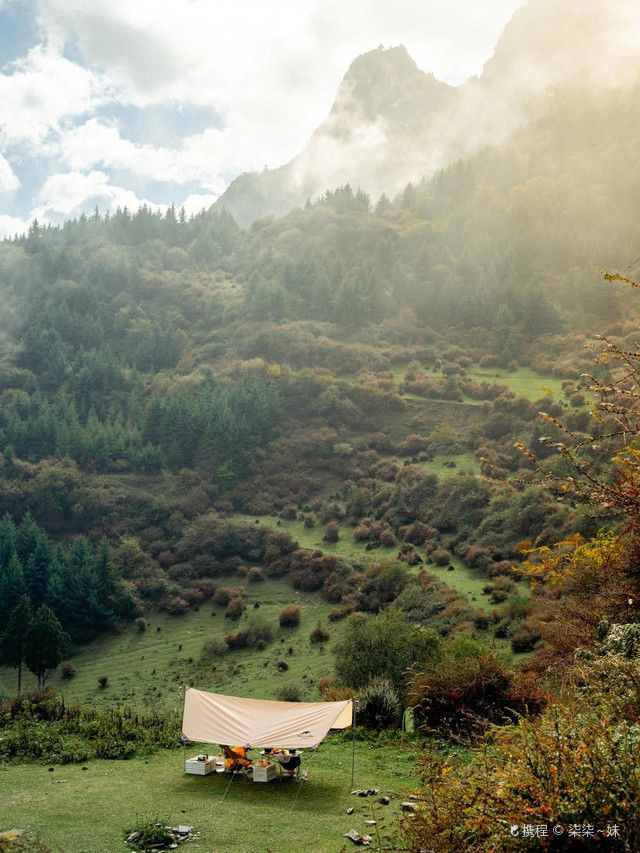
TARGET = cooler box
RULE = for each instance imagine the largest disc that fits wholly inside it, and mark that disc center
(200, 768)
(264, 774)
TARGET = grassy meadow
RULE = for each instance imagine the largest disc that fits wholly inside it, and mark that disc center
(147, 669)
(87, 811)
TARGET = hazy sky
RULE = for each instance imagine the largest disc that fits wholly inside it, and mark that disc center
(114, 102)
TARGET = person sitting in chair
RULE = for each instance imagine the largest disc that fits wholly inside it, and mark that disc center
(235, 757)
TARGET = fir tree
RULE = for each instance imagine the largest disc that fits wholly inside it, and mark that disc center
(26, 538)
(45, 644)
(12, 587)
(7, 539)
(38, 570)
(13, 640)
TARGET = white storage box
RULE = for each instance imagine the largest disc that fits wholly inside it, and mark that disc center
(264, 774)
(200, 768)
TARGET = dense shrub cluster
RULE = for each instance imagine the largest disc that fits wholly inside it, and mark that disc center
(37, 725)
(574, 765)
(468, 687)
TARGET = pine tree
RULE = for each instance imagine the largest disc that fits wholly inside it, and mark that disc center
(38, 570)
(7, 539)
(13, 640)
(104, 579)
(45, 644)
(26, 538)
(12, 587)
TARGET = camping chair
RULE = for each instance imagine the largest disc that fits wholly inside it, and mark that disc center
(235, 759)
(289, 764)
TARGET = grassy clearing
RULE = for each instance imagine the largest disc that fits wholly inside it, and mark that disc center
(147, 669)
(77, 811)
(523, 381)
(463, 579)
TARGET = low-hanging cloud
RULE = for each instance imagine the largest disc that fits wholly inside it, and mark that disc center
(271, 78)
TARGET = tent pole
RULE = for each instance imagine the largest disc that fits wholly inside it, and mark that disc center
(353, 742)
(231, 775)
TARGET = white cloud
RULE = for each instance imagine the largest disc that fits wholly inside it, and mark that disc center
(10, 225)
(197, 158)
(8, 179)
(40, 91)
(271, 70)
(69, 193)
(195, 202)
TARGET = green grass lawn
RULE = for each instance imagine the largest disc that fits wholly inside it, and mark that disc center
(463, 579)
(523, 381)
(87, 811)
(147, 669)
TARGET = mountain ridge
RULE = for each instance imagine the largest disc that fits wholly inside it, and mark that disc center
(392, 123)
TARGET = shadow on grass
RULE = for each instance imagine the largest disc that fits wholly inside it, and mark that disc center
(280, 794)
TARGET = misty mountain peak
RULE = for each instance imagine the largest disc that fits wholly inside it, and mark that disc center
(392, 123)
(385, 82)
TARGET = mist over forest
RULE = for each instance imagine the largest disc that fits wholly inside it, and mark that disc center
(363, 428)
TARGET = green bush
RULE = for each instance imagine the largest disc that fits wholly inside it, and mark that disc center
(149, 833)
(214, 647)
(288, 693)
(469, 687)
(386, 645)
(38, 725)
(379, 705)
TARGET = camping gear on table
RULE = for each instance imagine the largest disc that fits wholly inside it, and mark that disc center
(200, 765)
(264, 771)
(289, 764)
(255, 723)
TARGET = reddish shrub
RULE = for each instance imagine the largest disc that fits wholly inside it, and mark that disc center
(67, 671)
(176, 605)
(331, 531)
(440, 556)
(386, 538)
(289, 616)
(319, 634)
(207, 586)
(236, 606)
(255, 575)
(224, 594)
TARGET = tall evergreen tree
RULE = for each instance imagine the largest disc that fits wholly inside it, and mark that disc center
(38, 570)
(45, 644)
(7, 539)
(13, 640)
(26, 538)
(12, 587)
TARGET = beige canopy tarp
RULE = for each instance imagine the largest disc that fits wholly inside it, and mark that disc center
(213, 718)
